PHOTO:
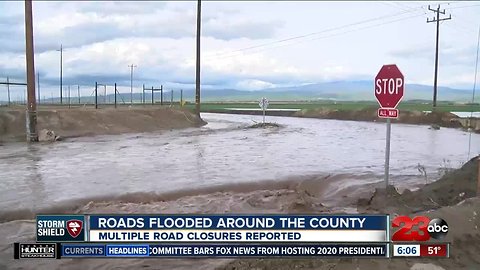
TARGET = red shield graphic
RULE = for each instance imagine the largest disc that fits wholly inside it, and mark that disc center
(74, 227)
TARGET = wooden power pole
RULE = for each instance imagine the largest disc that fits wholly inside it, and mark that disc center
(132, 66)
(197, 77)
(31, 116)
(61, 73)
(437, 19)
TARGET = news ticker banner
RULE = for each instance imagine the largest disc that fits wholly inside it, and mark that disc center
(140, 250)
(213, 228)
(266, 250)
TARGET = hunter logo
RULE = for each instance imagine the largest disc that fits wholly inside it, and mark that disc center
(36, 250)
(74, 227)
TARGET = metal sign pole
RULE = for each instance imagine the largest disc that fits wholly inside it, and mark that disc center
(264, 112)
(387, 153)
(263, 103)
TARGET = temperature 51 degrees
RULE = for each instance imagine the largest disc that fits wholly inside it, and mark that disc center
(434, 250)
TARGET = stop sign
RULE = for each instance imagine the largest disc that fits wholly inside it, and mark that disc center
(389, 85)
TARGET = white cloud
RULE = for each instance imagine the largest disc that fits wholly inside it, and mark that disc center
(102, 38)
(253, 85)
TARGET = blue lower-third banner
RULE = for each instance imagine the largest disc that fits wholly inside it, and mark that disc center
(224, 250)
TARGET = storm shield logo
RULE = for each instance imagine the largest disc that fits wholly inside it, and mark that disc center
(74, 227)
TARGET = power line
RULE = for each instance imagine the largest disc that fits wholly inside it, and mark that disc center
(308, 35)
(465, 6)
(322, 37)
(463, 29)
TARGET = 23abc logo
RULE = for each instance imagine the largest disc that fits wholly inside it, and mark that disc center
(436, 228)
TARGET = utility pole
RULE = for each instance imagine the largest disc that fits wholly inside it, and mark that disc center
(197, 79)
(437, 19)
(131, 82)
(31, 116)
(61, 73)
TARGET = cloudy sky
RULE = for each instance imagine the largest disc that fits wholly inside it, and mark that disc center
(245, 45)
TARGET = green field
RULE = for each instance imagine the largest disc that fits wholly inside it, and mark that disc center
(345, 105)
(339, 105)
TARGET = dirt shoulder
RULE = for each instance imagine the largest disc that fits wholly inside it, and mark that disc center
(450, 198)
(81, 121)
(464, 237)
(443, 119)
(296, 196)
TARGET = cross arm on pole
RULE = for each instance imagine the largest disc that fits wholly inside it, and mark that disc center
(444, 19)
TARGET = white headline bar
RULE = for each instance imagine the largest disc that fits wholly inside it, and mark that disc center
(237, 236)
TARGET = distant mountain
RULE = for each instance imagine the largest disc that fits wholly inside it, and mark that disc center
(339, 90)
(363, 90)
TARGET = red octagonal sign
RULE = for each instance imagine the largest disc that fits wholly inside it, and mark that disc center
(389, 85)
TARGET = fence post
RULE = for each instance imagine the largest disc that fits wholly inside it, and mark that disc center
(115, 95)
(143, 94)
(69, 96)
(161, 95)
(8, 90)
(78, 92)
(152, 96)
(96, 95)
(181, 97)
(171, 99)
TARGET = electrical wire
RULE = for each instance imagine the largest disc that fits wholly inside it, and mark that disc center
(240, 53)
(310, 34)
(465, 6)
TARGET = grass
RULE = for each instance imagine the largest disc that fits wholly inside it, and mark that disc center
(344, 105)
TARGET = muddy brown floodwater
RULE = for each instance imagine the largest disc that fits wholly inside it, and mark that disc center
(152, 172)
(223, 153)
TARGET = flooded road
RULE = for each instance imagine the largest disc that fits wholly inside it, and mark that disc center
(221, 153)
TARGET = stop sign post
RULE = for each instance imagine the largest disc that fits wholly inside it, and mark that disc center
(263, 103)
(389, 89)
